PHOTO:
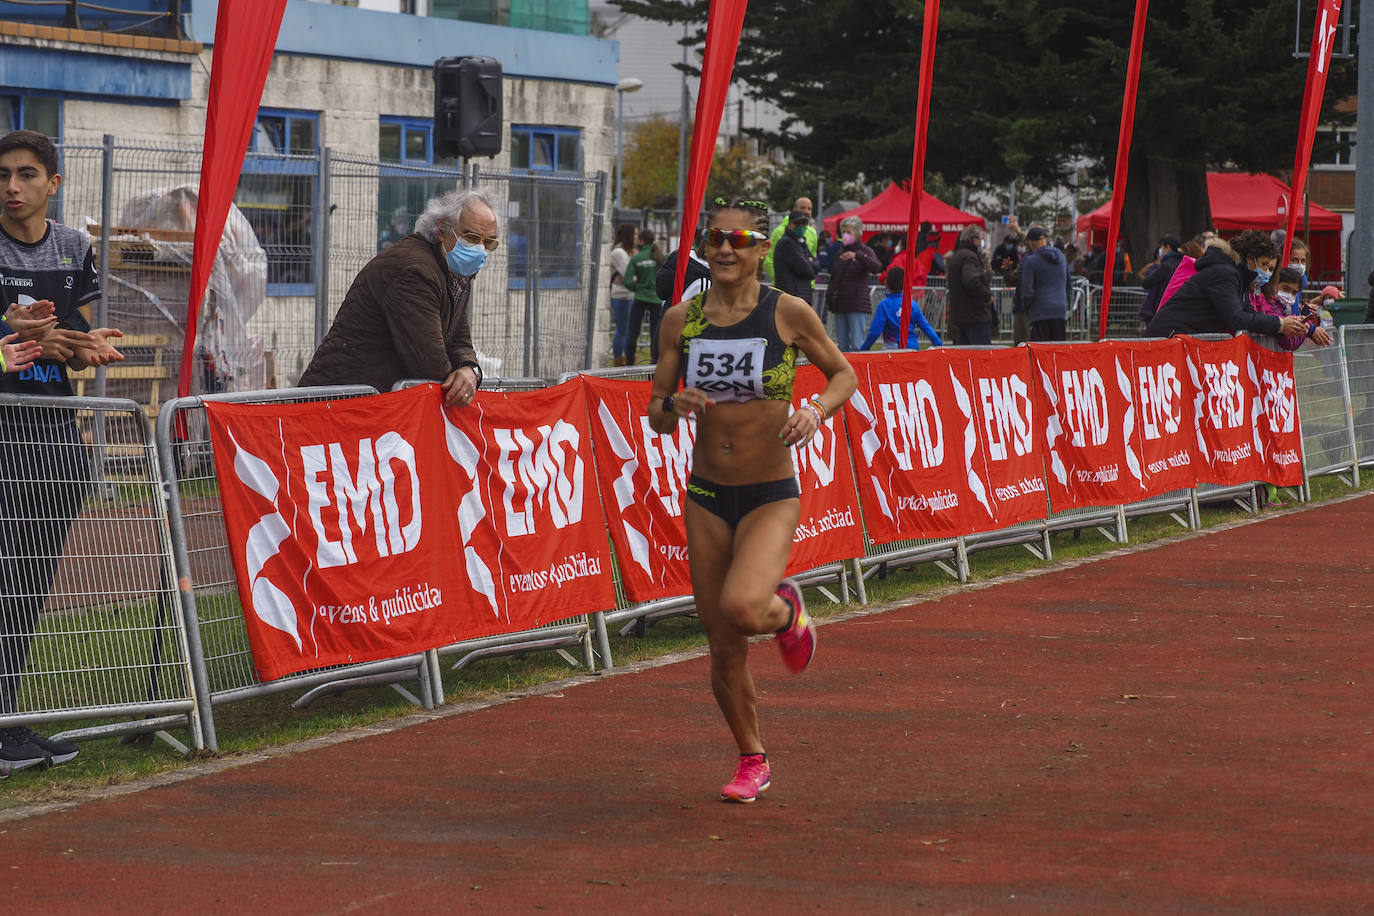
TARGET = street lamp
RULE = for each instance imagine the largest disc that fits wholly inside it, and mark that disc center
(629, 84)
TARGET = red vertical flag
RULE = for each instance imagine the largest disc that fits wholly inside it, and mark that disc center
(723, 25)
(918, 152)
(1123, 156)
(1318, 64)
(245, 36)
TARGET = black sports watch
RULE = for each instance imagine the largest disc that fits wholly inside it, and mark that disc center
(668, 404)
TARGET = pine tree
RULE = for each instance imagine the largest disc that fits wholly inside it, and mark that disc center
(1027, 88)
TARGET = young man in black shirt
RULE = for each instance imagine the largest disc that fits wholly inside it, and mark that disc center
(47, 284)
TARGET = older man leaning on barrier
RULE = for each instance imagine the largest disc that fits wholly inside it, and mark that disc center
(406, 314)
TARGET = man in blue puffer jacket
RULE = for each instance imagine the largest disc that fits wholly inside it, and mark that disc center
(1044, 288)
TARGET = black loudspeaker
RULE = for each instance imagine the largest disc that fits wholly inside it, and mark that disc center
(467, 106)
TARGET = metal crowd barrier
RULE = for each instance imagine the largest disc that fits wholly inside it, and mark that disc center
(558, 635)
(222, 662)
(1323, 395)
(89, 623)
(1357, 356)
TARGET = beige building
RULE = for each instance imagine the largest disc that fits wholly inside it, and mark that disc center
(347, 115)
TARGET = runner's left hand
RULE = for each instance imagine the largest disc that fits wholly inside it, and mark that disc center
(800, 427)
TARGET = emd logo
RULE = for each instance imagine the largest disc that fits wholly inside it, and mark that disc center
(540, 467)
(362, 499)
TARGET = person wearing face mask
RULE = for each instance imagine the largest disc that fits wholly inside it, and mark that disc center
(1257, 257)
(1280, 297)
(972, 318)
(1298, 256)
(406, 314)
(794, 267)
(1212, 301)
(800, 205)
(848, 297)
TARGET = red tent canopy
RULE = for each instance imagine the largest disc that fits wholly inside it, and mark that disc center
(888, 212)
(1243, 200)
(1240, 200)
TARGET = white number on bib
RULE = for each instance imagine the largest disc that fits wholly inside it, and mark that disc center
(727, 370)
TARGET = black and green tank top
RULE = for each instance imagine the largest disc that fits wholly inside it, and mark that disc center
(742, 362)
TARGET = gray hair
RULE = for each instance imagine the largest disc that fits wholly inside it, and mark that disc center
(971, 233)
(852, 224)
(445, 209)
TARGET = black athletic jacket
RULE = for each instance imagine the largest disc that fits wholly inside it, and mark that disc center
(1210, 303)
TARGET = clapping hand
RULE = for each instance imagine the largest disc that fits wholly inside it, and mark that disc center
(100, 352)
(31, 322)
(19, 354)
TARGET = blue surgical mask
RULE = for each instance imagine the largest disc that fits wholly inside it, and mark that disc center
(464, 259)
(1263, 275)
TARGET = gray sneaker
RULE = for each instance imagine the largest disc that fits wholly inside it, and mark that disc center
(59, 751)
(17, 752)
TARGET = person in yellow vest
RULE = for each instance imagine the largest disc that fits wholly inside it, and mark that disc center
(812, 239)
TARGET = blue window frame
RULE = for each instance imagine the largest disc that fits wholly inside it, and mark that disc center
(42, 113)
(277, 194)
(409, 141)
(551, 209)
(409, 175)
(545, 149)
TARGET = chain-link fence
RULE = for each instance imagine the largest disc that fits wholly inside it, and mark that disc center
(90, 626)
(1357, 348)
(301, 229)
(534, 305)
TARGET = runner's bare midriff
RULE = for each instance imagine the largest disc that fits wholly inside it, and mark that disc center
(737, 443)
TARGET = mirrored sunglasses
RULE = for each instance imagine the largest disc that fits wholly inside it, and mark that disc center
(738, 238)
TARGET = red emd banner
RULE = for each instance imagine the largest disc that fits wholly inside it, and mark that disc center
(944, 443)
(1161, 428)
(532, 536)
(341, 528)
(1280, 433)
(1227, 408)
(643, 478)
(830, 528)
(1118, 425)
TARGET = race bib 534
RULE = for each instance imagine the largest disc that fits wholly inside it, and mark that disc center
(728, 370)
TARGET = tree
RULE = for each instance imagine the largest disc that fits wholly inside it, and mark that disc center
(650, 165)
(1027, 88)
(737, 173)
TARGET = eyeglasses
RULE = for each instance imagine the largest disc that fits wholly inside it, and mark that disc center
(474, 239)
(738, 238)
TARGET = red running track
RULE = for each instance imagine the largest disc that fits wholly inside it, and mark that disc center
(1184, 728)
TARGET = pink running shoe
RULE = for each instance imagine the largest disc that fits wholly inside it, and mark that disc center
(798, 642)
(753, 777)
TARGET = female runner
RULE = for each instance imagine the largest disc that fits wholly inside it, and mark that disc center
(734, 348)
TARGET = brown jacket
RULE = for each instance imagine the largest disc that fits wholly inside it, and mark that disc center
(399, 320)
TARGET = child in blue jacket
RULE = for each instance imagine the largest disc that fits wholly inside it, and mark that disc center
(887, 318)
